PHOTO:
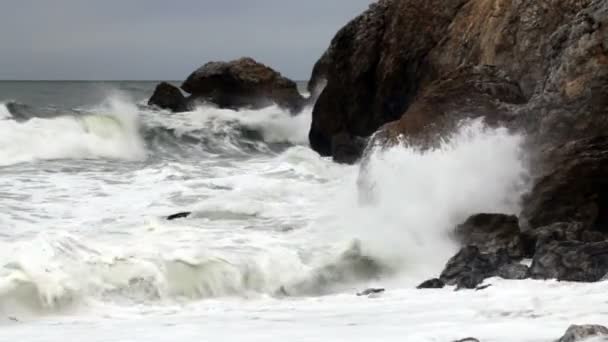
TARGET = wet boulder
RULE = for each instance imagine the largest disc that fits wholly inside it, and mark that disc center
(570, 261)
(469, 267)
(578, 333)
(168, 96)
(491, 233)
(243, 83)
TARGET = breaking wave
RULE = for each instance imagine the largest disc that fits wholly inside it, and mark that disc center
(394, 227)
(119, 129)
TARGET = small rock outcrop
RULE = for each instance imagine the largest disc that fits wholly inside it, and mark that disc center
(243, 83)
(579, 333)
(168, 96)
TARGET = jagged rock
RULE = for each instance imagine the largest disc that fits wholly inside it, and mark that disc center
(243, 83)
(578, 333)
(467, 93)
(470, 267)
(168, 96)
(388, 64)
(432, 284)
(570, 261)
(573, 188)
(559, 231)
(491, 233)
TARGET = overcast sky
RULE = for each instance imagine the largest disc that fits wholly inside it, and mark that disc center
(163, 39)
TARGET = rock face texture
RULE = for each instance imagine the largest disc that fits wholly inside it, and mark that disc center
(167, 96)
(574, 187)
(491, 233)
(541, 66)
(570, 261)
(578, 333)
(243, 83)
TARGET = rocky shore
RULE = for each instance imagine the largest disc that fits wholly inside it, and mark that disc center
(411, 70)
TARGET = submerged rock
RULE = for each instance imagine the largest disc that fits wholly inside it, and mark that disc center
(168, 96)
(179, 216)
(578, 333)
(243, 83)
(370, 292)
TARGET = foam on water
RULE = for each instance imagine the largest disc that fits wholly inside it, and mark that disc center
(279, 240)
(289, 224)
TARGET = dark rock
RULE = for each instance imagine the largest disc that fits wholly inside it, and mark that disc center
(370, 292)
(179, 216)
(243, 83)
(414, 62)
(491, 233)
(432, 284)
(573, 188)
(347, 149)
(513, 271)
(560, 231)
(578, 333)
(168, 96)
(570, 261)
(468, 339)
(470, 267)
(466, 93)
(350, 62)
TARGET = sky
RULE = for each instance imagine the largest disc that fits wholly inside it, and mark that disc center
(163, 39)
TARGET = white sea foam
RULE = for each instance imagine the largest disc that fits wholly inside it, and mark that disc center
(409, 200)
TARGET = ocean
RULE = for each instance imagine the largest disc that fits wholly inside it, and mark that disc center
(279, 242)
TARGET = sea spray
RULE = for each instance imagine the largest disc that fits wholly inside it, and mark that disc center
(409, 199)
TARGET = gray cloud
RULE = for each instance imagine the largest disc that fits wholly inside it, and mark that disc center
(161, 39)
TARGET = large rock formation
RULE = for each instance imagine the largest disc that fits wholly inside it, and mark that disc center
(413, 61)
(243, 83)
